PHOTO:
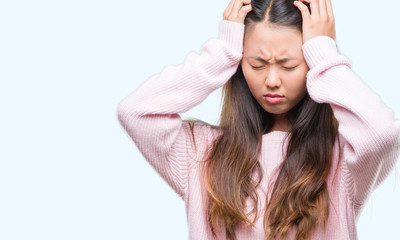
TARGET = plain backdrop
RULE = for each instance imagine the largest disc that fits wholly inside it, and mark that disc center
(67, 168)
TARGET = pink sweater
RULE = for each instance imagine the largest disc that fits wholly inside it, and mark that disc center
(369, 134)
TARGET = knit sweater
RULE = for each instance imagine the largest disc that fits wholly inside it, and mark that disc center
(368, 132)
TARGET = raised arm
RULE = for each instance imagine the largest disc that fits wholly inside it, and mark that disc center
(369, 133)
(150, 115)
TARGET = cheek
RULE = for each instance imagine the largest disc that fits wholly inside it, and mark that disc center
(298, 83)
(252, 77)
(248, 75)
(245, 70)
(253, 82)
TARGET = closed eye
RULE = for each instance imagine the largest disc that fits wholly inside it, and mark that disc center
(257, 68)
(289, 68)
(286, 68)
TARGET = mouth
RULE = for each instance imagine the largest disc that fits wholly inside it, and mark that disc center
(273, 98)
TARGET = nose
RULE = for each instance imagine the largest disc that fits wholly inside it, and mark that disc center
(273, 80)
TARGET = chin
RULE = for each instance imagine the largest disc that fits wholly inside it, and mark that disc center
(275, 111)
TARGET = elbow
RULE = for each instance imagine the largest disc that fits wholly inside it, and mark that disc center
(388, 139)
(126, 118)
(124, 113)
(121, 112)
(129, 115)
(392, 135)
(396, 137)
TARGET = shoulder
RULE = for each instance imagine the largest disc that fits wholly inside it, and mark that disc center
(200, 131)
(200, 135)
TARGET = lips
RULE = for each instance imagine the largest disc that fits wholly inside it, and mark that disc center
(272, 95)
(273, 98)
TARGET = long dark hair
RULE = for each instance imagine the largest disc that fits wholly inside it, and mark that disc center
(300, 196)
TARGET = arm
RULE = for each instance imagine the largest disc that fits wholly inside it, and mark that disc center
(369, 134)
(150, 115)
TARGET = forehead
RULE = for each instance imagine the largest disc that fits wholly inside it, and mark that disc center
(269, 41)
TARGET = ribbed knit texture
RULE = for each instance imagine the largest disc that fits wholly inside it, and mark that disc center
(369, 134)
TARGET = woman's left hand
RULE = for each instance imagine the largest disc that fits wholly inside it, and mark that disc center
(320, 22)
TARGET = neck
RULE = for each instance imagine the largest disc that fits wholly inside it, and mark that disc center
(281, 123)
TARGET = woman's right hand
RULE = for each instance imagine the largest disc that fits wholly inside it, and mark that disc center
(237, 10)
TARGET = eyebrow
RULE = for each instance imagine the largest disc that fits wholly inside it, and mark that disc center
(280, 61)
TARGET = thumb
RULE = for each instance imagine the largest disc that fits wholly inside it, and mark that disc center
(243, 12)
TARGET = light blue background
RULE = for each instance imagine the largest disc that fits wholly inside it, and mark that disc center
(67, 168)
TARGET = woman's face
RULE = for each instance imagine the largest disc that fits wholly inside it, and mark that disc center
(274, 67)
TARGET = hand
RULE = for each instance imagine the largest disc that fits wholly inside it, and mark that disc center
(320, 22)
(237, 10)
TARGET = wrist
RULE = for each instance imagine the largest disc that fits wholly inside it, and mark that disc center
(231, 33)
(318, 49)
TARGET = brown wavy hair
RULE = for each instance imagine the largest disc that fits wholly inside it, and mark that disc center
(300, 196)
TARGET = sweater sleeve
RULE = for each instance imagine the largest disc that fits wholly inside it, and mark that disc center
(150, 115)
(369, 134)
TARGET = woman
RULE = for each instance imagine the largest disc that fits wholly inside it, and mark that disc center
(302, 141)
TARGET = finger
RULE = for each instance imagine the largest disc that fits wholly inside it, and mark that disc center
(305, 13)
(243, 12)
(228, 9)
(314, 8)
(322, 9)
(329, 9)
(239, 4)
(307, 1)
